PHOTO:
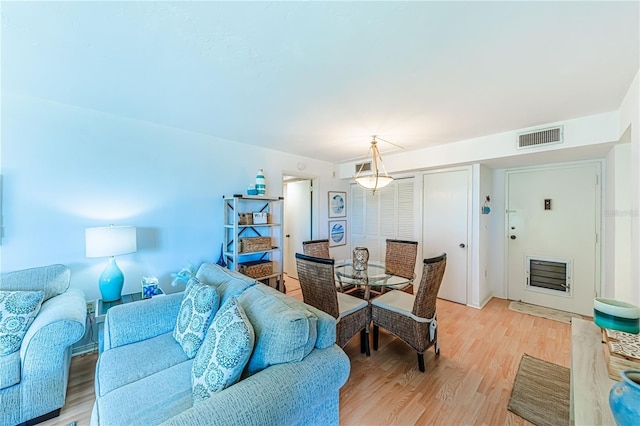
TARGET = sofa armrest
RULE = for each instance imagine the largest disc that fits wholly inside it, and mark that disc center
(46, 354)
(59, 324)
(278, 395)
(141, 320)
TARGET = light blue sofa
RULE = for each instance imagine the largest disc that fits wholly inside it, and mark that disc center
(33, 380)
(143, 377)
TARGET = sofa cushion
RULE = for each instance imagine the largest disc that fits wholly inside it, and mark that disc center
(9, 369)
(224, 352)
(120, 366)
(199, 305)
(52, 279)
(283, 334)
(17, 311)
(149, 400)
(326, 324)
(228, 283)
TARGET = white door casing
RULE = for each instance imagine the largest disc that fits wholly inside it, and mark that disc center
(297, 225)
(567, 230)
(446, 228)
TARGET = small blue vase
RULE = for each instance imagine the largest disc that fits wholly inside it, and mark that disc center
(624, 399)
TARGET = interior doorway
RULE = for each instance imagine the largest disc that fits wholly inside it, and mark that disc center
(297, 219)
(446, 227)
(553, 227)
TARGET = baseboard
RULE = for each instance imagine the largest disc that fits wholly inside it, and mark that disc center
(84, 349)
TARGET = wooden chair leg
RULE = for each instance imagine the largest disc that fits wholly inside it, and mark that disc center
(364, 342)
(421, 362)
(375, 337)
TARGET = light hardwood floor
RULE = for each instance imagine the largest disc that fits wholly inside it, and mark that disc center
(468, 384)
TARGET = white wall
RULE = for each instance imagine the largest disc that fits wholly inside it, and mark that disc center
(66, 168)
(617, 224)
(582, 132)
(630, 121)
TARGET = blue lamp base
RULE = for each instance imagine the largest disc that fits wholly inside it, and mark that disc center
(111, 282)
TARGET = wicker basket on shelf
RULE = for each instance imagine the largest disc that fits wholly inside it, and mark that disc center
(251, 244)
(256, 268)
(245, 219)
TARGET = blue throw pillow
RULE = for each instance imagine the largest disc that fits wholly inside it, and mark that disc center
(199, 305)
(17, 311)
(224, 353)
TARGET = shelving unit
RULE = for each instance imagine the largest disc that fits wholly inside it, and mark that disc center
(234, 233)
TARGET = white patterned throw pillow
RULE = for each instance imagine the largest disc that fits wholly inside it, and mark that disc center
(17, 311)
(224, 353)
(199, 305)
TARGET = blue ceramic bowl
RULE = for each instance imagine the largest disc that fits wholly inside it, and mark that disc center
(252, 192)
(616, 315)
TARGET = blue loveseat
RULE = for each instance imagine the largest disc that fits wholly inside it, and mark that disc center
(144, 377)
(33, 380)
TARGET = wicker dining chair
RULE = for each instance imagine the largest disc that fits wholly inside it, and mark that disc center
(400, 259)
(317, 281)
(316, 248)
(412, 318)
(320, 248)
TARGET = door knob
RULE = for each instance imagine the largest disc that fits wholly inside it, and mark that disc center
(462, 245)
(287, 235)
(513, 237)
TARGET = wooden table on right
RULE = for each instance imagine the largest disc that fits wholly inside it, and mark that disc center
(590, 381)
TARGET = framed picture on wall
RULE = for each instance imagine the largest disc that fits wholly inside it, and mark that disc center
(337, 204)
(337, 233)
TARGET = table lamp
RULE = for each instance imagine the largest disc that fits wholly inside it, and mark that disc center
(110, 241)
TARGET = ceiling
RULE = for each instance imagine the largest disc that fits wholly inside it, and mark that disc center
(319, 78)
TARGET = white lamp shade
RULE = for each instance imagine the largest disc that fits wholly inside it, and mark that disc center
(373, 182)
(104, 241)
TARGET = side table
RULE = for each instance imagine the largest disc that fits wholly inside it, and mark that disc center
(590, 382)
(103, 307)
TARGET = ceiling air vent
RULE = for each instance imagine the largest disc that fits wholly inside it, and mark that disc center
(366, 167)
(540, 137)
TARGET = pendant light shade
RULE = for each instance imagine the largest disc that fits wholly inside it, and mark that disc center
(378, 177)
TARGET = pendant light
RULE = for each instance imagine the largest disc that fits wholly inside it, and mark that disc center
(378, 178)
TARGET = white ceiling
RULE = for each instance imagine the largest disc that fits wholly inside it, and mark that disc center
(319, 78)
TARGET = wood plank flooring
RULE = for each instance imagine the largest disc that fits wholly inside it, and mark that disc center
(468, 384)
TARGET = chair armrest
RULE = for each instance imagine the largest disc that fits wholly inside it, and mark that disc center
(141, 320)
(59, 324)
(278, 395)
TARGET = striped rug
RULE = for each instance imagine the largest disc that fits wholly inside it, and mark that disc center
(540, 311)
(540, 392)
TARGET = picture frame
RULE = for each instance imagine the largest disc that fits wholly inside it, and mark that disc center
(337, 233)
(337, 204)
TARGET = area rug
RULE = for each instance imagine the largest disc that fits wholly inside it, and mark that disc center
(539, 311)
(540, 392)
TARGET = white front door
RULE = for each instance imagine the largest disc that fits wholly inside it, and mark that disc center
(445, 228)
(297, 223)
(553, 216)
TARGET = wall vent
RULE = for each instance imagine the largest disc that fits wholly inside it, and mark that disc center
(552, 135)
(549, 274)
(366, 167)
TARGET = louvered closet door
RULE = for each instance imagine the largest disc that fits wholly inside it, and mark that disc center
(387, 214)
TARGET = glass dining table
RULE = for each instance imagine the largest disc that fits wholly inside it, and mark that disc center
(374, 277)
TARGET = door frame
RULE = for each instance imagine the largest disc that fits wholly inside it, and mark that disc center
(471, 246)
(312, 217)
(598, 278)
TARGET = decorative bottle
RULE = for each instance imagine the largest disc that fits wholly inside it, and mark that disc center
(261, 185)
